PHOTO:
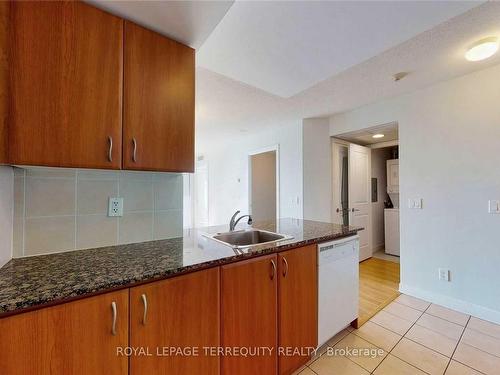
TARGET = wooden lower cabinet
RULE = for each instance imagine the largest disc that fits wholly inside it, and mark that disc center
(181, 312)
(298, 307)
(72, 338)
(264, 306)
(249, 315)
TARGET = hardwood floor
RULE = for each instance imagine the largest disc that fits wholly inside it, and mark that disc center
(378, 286)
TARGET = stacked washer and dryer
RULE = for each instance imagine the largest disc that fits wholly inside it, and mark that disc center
(391, 215)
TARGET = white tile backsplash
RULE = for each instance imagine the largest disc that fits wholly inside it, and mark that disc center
(57, 209)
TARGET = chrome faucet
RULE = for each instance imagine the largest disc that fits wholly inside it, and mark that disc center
(234, 221)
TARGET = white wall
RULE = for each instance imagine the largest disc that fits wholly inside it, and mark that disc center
(228, 171)
(317, 169)
(379, 171)
(6, 213)
(450, 157)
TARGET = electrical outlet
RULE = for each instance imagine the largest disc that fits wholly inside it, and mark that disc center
(444, 274)
(115, 206)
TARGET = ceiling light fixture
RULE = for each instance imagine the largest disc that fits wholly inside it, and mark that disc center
(482, 49)
(378, 136)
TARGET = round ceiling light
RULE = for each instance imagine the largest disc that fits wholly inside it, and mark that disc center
(482, 49)
(378, 136)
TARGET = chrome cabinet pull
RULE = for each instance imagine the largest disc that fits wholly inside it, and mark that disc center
(134, 153)
(285, 269)
(110, 150)
(145, 303)
(273, 268)
(113, 325)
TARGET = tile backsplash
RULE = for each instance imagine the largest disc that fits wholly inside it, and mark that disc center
(58, 209)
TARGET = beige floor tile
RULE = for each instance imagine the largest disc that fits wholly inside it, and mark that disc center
(392, 322)
(477, 359)
(432, 340)
(421, 357)
(307, 371)
(319, 352)
(483, 326)
(339, 336)
(394, 366)
(403, 311)
(378, 335)
(303, 370)
(456, 368)
(444, 327)
(368, 356)
(448, 314)
(413, 302)
(336, 365)
(488, 344)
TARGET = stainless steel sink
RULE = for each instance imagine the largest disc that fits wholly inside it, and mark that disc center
(248, 238)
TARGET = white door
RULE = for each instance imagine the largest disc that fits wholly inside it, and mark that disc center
(359, 196)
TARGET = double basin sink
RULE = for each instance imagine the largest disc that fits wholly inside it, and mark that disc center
(248, 238)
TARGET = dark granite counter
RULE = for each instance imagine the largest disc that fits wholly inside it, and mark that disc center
(37, 281)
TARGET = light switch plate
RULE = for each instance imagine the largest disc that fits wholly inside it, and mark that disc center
(418, 203)
(415, 203)
(444, 274)
(115, 206)
(494, 207)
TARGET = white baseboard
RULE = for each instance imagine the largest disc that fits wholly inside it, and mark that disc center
(378, 247)
(453, 303)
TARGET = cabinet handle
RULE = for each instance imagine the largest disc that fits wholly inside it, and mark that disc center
(285, 269)
(113, 325)
(145, 303)
(134, 153)
(110, 150)
(273, 269)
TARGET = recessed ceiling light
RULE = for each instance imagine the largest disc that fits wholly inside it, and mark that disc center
(482, 49)
(378, 136)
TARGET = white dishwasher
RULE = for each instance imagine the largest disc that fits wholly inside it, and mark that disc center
(338, 270)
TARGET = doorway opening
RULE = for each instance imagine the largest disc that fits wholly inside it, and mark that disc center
(263, 179)
(366, 194)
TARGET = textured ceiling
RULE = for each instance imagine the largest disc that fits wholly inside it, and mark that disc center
(365, 137)
(285, 47)
(226, 107)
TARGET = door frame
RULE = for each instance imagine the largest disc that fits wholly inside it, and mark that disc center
(341, 142)
(276, 149)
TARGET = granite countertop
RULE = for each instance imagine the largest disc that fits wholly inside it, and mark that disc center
(32, 282)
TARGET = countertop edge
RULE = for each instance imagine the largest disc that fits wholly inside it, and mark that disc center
(77, 294)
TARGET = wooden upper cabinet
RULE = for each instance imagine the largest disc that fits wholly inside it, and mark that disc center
(66, 72)
(249, 315)
(72, 338)
(298, 305)
(182, 312)
(159, 77)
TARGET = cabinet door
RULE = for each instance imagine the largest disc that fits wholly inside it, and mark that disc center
(73, 338)
(182, 312)
(159, 102)
(249, 315)
(66, 85)
(298, 306)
